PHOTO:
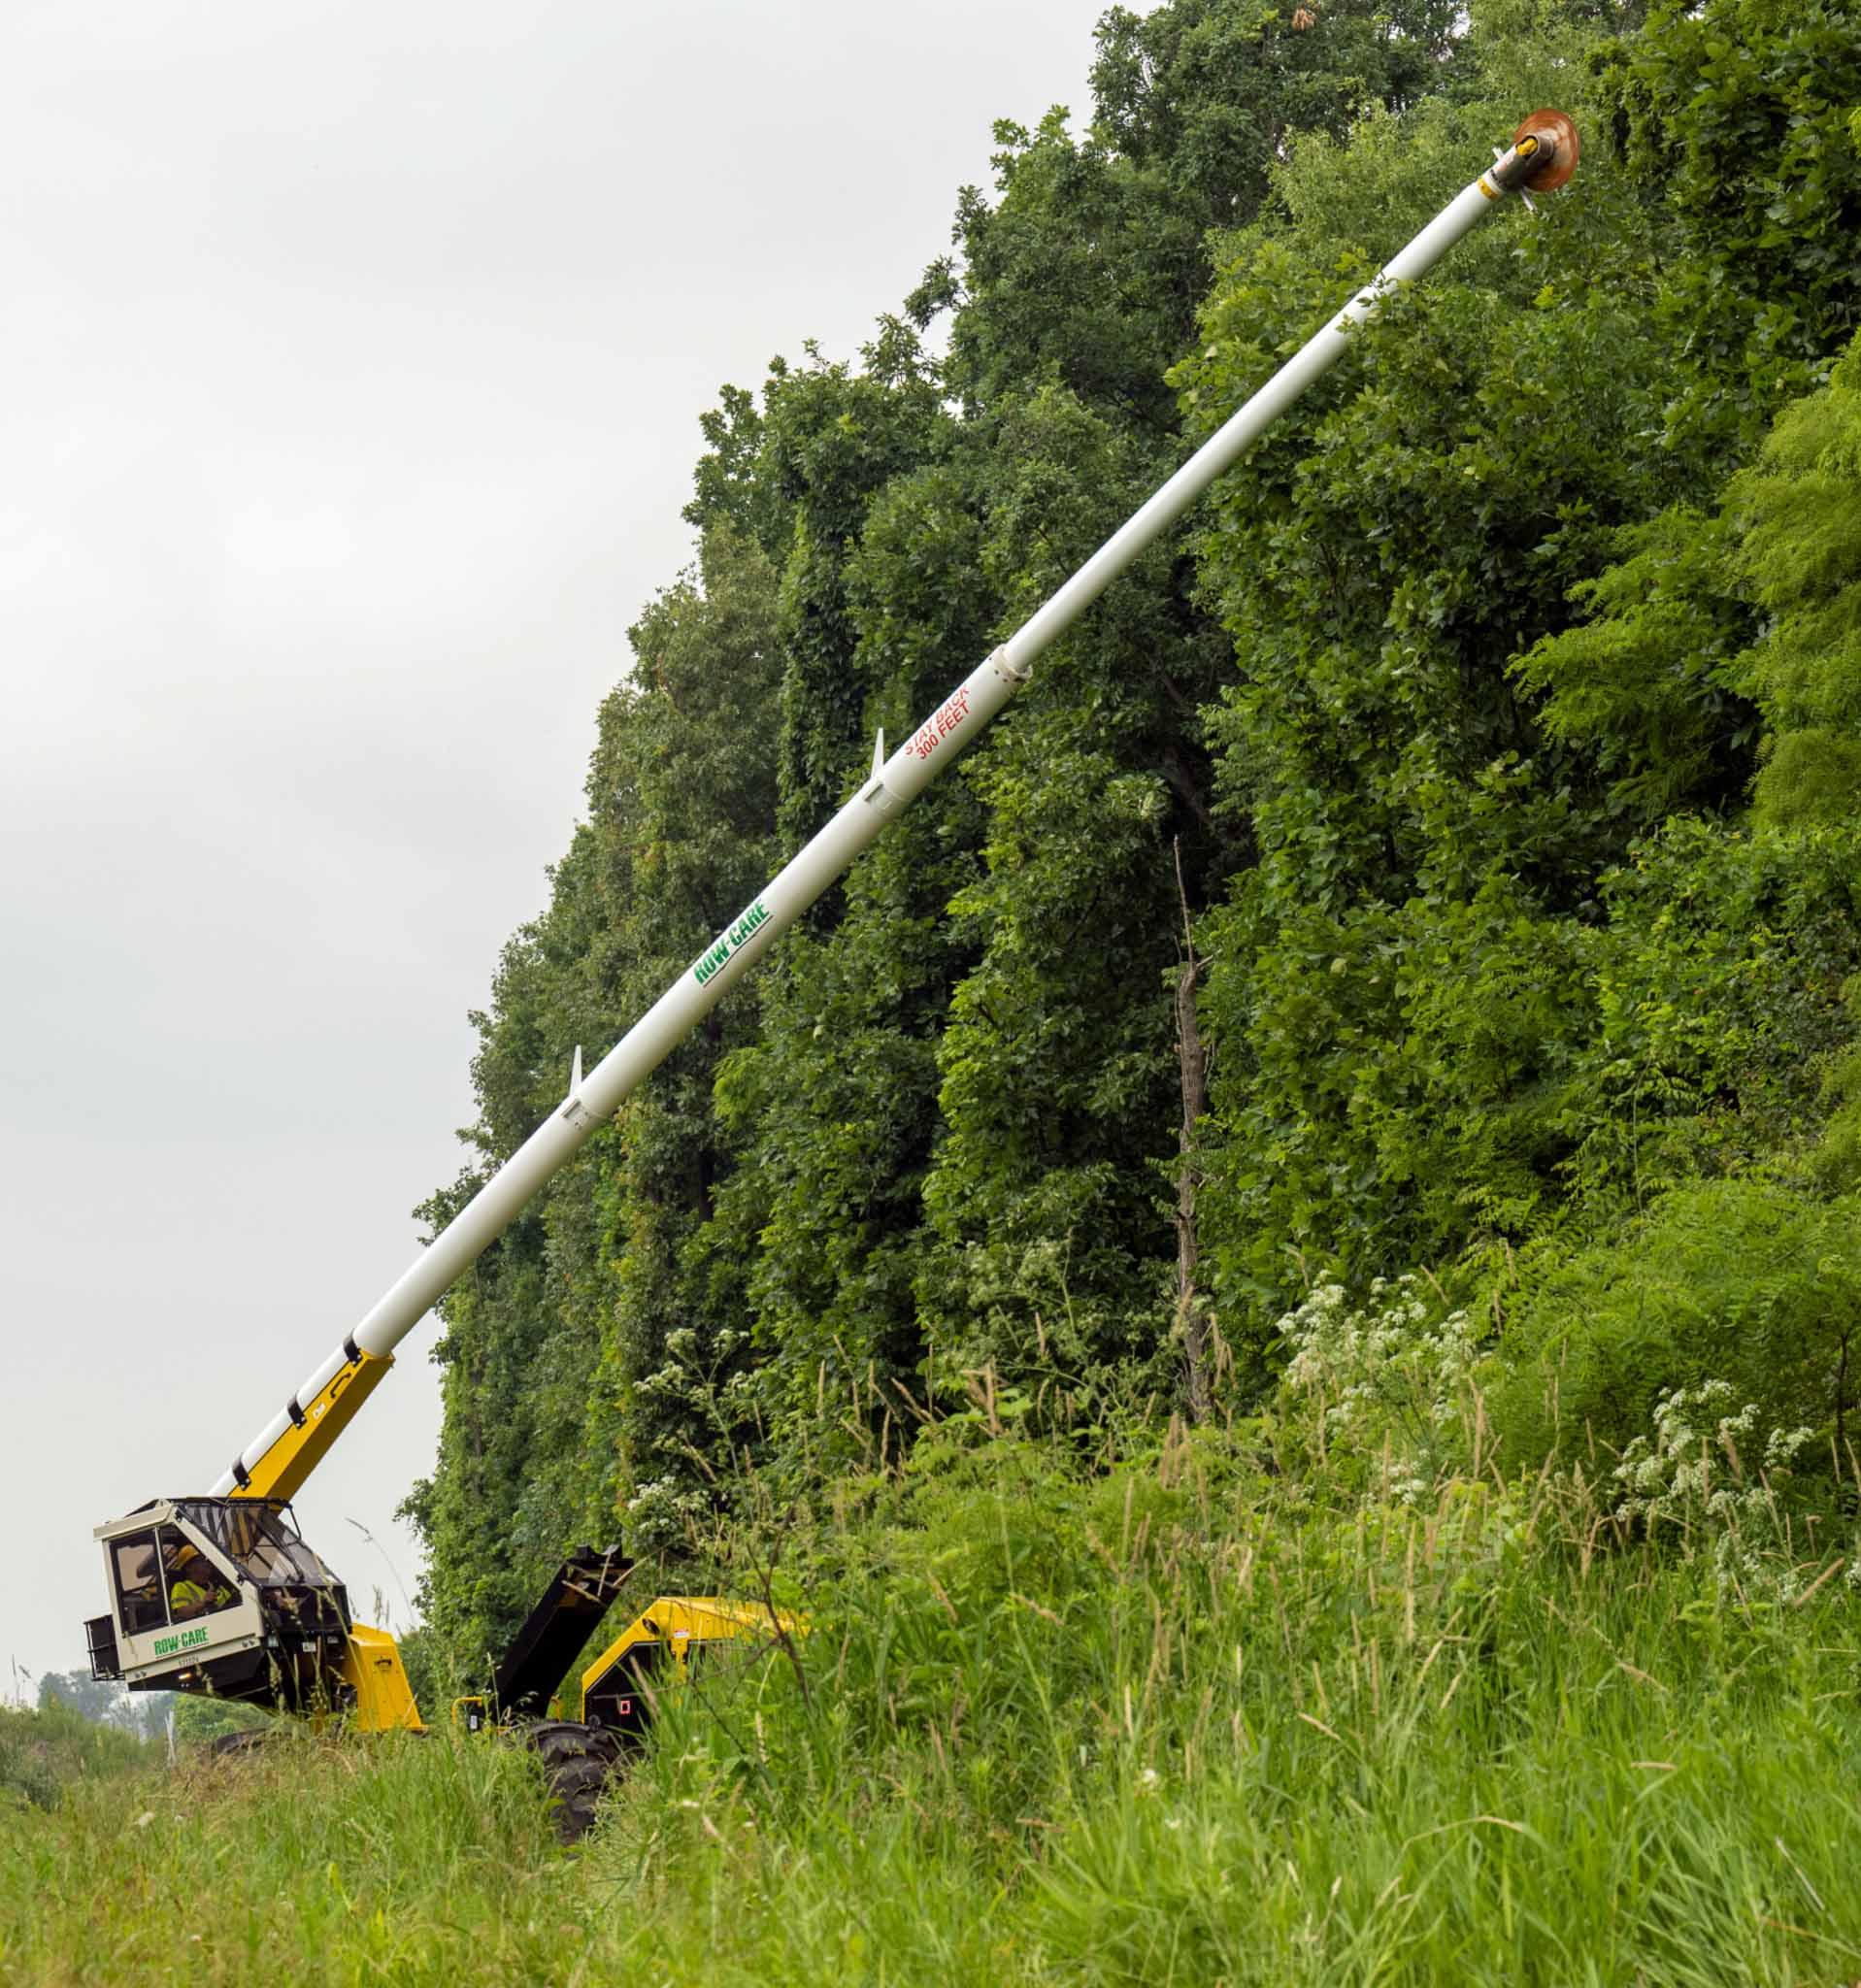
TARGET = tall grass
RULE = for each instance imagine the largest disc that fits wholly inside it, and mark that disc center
(317, 1860)
(1181, 1721)
(1187, 1724)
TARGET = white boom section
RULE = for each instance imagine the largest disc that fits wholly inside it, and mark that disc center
(893, 782)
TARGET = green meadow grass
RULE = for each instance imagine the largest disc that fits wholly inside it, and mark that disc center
(1174, 1723)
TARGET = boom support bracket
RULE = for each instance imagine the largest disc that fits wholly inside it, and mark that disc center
(309, 1428)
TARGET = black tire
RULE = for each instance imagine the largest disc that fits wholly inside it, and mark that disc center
(230, 1745)
(578, 1762)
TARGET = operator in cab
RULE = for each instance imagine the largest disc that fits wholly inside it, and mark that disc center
(195, 1587)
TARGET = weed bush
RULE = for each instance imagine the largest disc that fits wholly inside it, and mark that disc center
(1749, 1281)
(1204, 1719)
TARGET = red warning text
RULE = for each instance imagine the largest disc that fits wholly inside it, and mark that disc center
(932, 732)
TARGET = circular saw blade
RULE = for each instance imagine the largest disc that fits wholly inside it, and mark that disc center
(1558, 127)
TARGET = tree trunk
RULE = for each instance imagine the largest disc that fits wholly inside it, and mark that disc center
(1193, 1062)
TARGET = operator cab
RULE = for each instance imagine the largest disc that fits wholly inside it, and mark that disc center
(219, 1596)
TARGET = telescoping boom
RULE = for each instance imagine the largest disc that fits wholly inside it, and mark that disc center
(277, 1461)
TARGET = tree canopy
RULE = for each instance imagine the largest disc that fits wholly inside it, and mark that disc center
(1482, 756)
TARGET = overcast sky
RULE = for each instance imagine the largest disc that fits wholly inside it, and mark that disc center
(350, 362)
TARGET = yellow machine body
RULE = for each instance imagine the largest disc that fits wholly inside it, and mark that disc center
(373, 1670)
(657, 1650)
(682, 1624)
(281, 1470)
(669, 1632)
(371, 1665)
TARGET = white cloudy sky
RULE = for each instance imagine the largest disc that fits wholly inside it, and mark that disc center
(350, 357)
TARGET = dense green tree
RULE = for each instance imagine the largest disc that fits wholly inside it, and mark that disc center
(877, 1100)
(1493, 735)
(1404, 986)
(833, 440)
(1090, 264)
(90, 1696)
(565, 1347)
(1720, 973)
(683, 792)
(1079, 288)
(837, 1100)
(1801, 564)
(1734, 116)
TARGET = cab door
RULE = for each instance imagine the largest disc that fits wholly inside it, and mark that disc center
(166, 1591)
(140, 1594)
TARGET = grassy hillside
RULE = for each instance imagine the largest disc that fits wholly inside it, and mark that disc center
(44, 1752)
(1277, 1272)
(1219, 1710)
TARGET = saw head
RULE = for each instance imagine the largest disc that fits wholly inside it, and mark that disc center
(1557, 128)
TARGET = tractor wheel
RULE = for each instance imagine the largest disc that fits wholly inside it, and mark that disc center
(578, 1762)
(232, 1745)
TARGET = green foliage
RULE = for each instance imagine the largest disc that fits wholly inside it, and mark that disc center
(1055, 1055)
(320, 1860)
(1184, 1720)
(885, 1200)
(834, 441)
(1736, 114)
(145, 1713)
(1719, 1002)
(1494, 737)
(1711, 623)
(685, 788)
(200, 1722)
(1210, 97)
(1801, 561)
(1743, 1281)
(1644, 686)
(1196, 1713)
(1452, 991)
(555, 1339)
(91, 1698)
(835, 1104)
(44, 1752)
(1087, 269)
(1394, 978)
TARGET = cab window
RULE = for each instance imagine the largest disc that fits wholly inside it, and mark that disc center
(141, 1595)
(257, 1536)
(195, 1585)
